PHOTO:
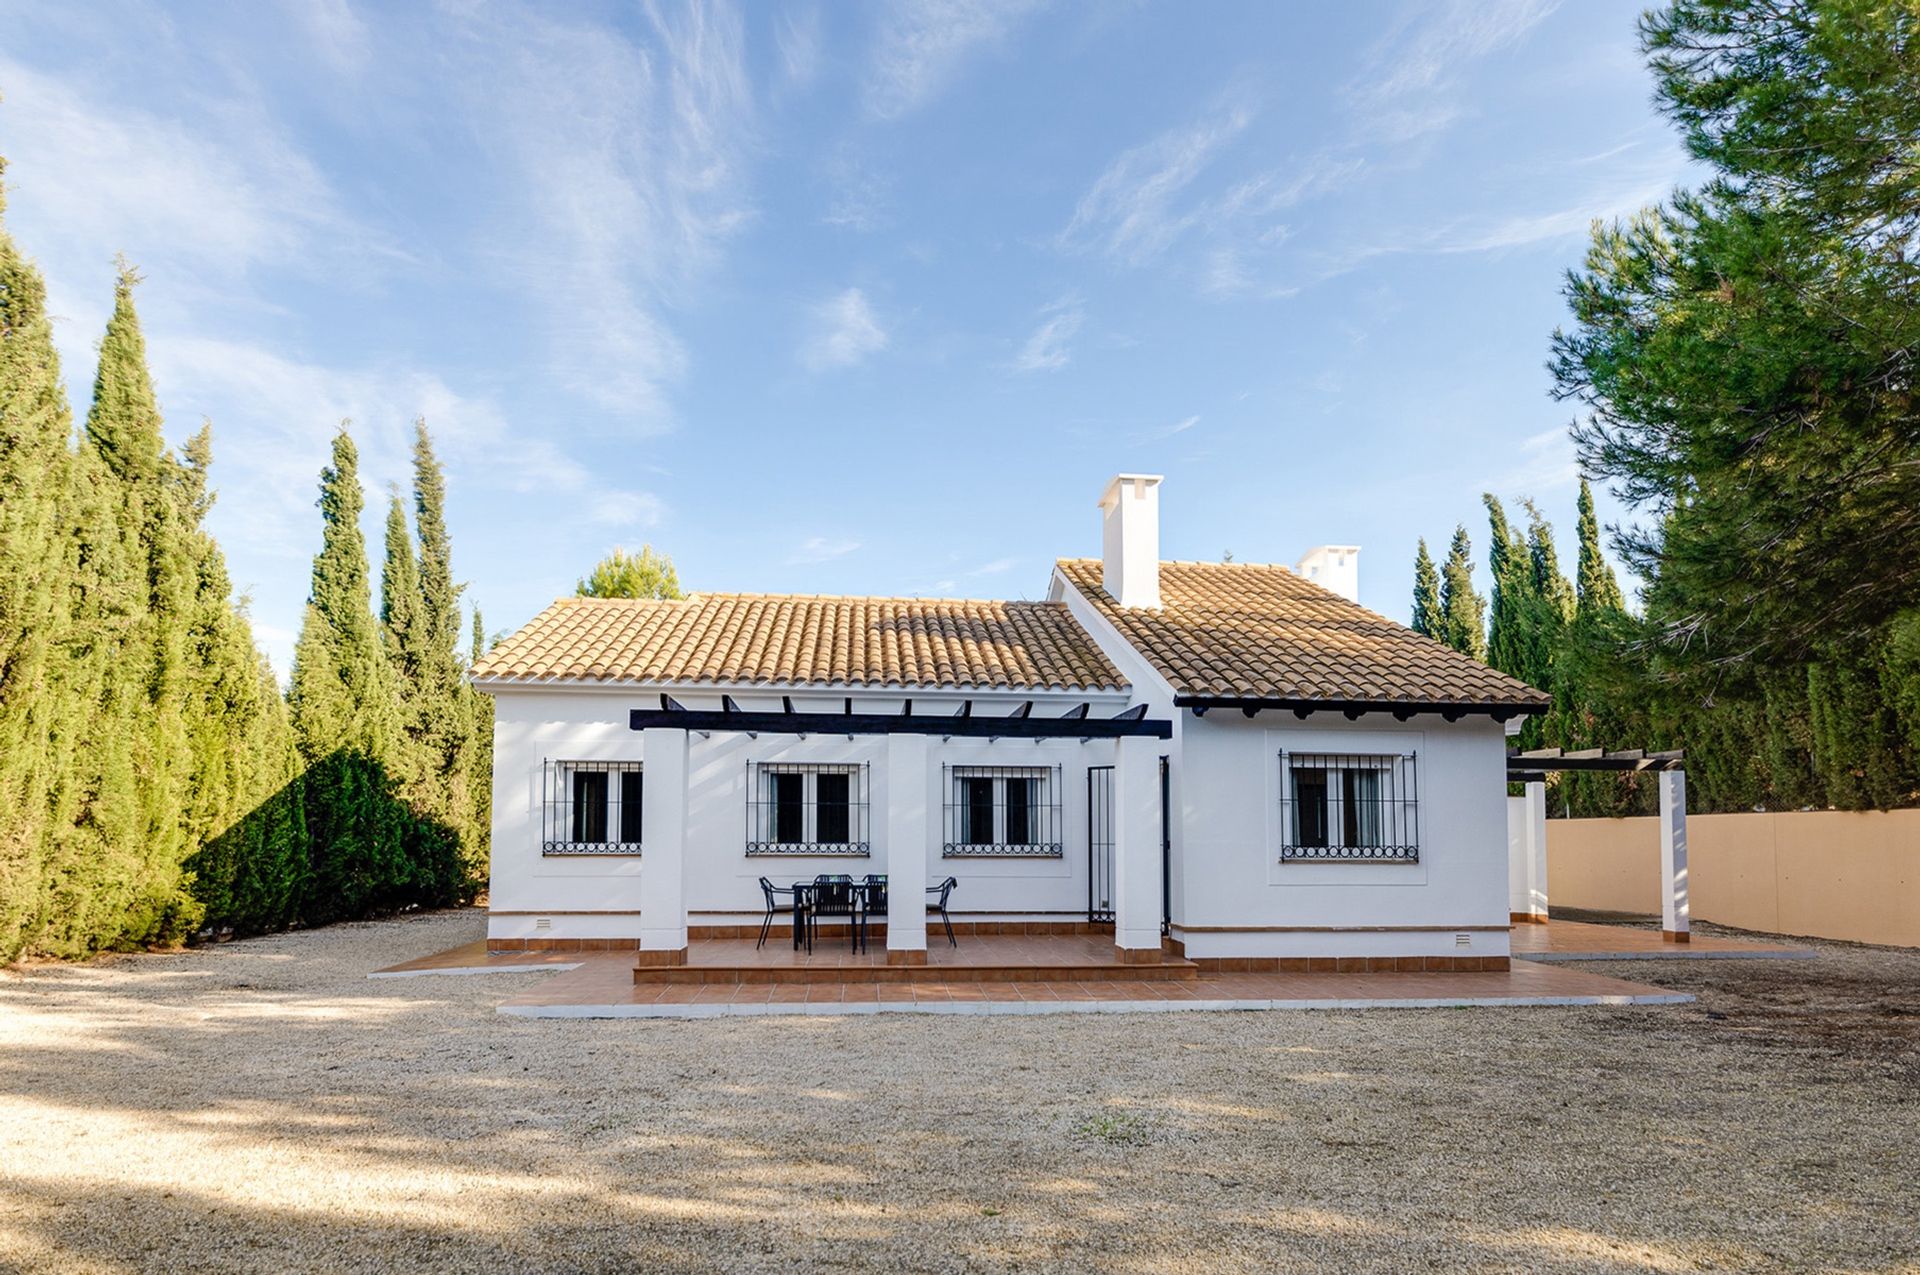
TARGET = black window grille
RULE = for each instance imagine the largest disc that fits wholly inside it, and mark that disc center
(1349, 808)
(591, 807)
(796, 808)
(1002, 812)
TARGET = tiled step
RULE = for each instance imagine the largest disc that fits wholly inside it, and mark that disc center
(1168, 970)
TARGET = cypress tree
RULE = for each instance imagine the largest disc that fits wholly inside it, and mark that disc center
(244, 816)
(1596, 586)
(1510, 566)
(481, 760)
(1462, 611)
(400, 600)
(444, 716)
(34, 589)
(440, 597)
(1426, 594)
(148, 591)
(403, 631)
(1549, 611)
(342, 692)
(346, 718)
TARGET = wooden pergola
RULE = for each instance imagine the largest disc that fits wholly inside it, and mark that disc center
(1527, 842)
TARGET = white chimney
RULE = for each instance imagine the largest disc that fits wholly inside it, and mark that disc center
(1333, 567)
(1130, 540)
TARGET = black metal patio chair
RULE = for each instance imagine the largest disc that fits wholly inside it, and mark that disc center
(771, 893)
(832, 896)
(875, 889)
(938, 903)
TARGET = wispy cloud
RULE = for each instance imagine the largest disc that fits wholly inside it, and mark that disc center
(999, 566)
(858, 195)
(1130, 211)
(1546, 463)
(277, 415)
(1636, 188)
(1046, 349)
(842, 331)
(625, 509)
(796, 37)
(923, 44)
(197, 204)
(1168, 431)
(1410, 82)
(335, 32)
(821, 549)
(629, 159)
(1164, 195)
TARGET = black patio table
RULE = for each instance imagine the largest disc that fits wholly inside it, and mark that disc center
(836, 895)
(868, 896)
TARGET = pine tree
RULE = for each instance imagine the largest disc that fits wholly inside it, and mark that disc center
(1462, 611)
(1427, 617)
(1596, 586)
(34, 591)
(620, 574)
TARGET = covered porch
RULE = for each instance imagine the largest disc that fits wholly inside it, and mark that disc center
(1527, 830)
(910, 843)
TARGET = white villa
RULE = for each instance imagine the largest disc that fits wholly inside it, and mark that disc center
(1229, 763)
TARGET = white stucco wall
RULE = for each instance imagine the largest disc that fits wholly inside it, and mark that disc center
(1238, 898)
(1225, 829)
(596, 896)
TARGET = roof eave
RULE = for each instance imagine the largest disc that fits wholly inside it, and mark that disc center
(1401, 709)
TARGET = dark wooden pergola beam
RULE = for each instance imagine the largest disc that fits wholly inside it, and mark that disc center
(1130, 723)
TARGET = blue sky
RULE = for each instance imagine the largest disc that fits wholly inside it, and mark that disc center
(838, 298)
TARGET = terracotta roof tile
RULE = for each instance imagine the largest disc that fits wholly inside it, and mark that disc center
(1245, 630)
(797, 639)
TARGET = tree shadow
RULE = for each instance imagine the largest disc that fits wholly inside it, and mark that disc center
(337, 842)
(285, 1113)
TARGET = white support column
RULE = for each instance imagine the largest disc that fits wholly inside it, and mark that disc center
(912, 798)
(1537, 850)
(663, 848)
(1676, 911)
(1527, 856)
(1136, 849)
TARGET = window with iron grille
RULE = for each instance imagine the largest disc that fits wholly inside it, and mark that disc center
(796, 808)
(590, 807)
(1349, 808)
(1002, 812)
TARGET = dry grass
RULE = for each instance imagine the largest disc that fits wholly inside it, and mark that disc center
(262, 1106)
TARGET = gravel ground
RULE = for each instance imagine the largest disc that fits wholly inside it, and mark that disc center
(262, 1106)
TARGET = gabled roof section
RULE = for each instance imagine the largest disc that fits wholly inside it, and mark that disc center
(796, 640)
(1246, 631)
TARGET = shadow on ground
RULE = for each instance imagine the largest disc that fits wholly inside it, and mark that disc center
(263, 1105)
